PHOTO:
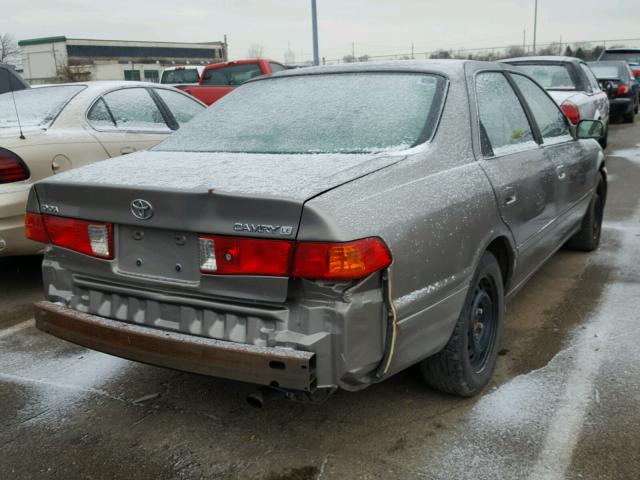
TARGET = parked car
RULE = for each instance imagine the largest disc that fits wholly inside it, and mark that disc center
(623, 91)
(572, 85)
(324, 228)
(64, 126)
(219, 79)
(10, 80)
(629, 55)
(184, 75)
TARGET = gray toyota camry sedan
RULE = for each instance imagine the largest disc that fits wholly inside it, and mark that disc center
(324, 228)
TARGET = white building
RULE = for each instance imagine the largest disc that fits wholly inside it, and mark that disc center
(60, 59)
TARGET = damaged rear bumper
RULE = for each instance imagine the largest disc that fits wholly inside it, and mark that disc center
(275, 366)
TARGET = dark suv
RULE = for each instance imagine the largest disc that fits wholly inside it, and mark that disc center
(629, 55)
(10, 80)
(616, 78)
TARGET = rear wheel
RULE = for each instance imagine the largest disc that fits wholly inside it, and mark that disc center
(629, 117)
(588, 237)
(466, 364)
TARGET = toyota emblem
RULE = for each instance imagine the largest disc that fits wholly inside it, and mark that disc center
(141, 209)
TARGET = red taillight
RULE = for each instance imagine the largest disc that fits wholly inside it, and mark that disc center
(340, 261)
(571, 111)
(34, 228)
(221, 255)
(623, 89)
(12, 168)
(91, 238)
(636, 72)
(244, 256)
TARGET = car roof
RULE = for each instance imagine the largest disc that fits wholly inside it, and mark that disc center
(543, 58)
(446, 67)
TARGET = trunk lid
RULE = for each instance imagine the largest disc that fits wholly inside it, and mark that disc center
(191, 193)
(560, 96)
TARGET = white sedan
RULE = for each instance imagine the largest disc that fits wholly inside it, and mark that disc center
(49, 129)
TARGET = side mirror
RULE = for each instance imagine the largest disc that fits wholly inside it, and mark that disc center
(590, 129)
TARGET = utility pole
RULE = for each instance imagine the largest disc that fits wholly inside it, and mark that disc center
(535, 27)
(314, 21)
(524, 42)
(412, 50)
(353, 51)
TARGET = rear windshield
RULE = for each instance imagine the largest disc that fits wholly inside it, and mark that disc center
(186, 75)
(36, 107)
(605, 71)
(231, 75)
(330, 113)
(628, 56)
(550, 77)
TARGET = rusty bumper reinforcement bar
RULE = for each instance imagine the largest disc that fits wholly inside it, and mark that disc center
(282, 367)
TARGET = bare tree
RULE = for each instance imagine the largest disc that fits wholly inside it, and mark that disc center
(9, 50)
(256, 50)
(514, 51)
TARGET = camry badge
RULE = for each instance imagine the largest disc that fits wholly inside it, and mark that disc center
(141, 209)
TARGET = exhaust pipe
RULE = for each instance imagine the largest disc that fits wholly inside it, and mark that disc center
(261, 396)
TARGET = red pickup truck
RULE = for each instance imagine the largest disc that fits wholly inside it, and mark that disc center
(221, 78)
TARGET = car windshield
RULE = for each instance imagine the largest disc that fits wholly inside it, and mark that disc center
(550, 76)
(605, 71)
(627, 56)
(36, 107)
(183, 75)
(330, 113)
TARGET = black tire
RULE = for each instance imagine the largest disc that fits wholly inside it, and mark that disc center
(588, 237)
(635, 110)
(466, 364)
(629, 117)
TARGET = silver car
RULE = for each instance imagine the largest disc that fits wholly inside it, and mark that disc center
(572, 85)
(324, 228)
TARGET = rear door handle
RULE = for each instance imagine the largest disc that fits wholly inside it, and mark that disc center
(127, 150)
(510, 196)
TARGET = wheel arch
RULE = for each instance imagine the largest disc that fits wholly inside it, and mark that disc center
(503, 250)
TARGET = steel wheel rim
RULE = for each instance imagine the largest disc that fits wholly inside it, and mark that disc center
(483, 323)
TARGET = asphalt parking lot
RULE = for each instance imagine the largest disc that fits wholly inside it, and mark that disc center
(564, 403)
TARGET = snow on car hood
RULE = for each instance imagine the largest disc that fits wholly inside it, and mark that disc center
(297, 176)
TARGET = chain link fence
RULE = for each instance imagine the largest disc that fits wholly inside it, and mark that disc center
(587, 50)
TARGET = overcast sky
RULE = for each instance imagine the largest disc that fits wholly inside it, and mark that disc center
(376, 26)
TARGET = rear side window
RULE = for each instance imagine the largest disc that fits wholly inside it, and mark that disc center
(232, 75)
(183, 107)
(503, 124)
(551, 121)
(131, 109)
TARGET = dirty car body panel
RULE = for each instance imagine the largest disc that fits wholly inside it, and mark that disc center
(436, 202)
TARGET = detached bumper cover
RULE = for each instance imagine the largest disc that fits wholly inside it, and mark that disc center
(290, 369)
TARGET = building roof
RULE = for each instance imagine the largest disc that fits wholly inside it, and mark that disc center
(41, 40)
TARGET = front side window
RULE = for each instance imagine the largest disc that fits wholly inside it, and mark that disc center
(36, 107)
(183, 107)
(231, 75)
(327, 113)
(130, 109)
(550, 76)
(551, 121)
(503, 124)
(276, 67)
